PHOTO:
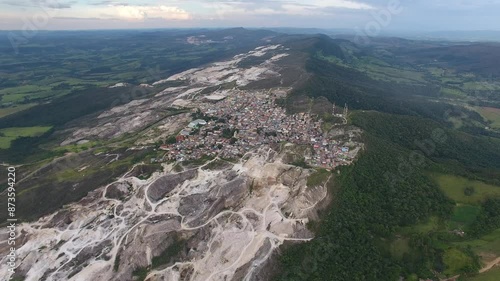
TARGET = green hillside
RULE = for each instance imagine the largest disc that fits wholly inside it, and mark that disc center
(393, 216)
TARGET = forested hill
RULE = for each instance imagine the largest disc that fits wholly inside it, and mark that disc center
(395, 211)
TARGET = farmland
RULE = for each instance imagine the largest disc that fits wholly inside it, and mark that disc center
(10, 134)
(491, 114)
(489, 243)
(13, 109)
(454, 187)
(75, 61)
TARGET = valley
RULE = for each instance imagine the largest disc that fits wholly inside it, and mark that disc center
(260, 156)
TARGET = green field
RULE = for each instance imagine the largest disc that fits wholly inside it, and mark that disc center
(455, 260)
(13, 98)
(14, 109)
(454, 186)
(389, 73)
(451, 92)
(331, 59)
(491, 114)
(489, 243)
(463, 215)
(10, 134)
(481, 86)
(432, 224)
(435, 71)
(20, 90)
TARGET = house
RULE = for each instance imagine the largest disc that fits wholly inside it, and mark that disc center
(185, 132)
(196, 123)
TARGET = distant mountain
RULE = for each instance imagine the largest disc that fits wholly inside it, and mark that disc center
(464, 36)
(474, 35)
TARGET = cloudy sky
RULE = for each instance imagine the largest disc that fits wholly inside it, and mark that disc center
(399, 15)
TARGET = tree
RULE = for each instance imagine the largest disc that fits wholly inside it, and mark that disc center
(171, 140)
(469, 191)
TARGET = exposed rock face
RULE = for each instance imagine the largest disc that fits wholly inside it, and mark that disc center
(166, 184)
(137, 114)
(118, 190)
(222, 225)
(220, 221)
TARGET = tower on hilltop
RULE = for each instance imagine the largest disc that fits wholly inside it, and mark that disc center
(333, 109)
(345, 110)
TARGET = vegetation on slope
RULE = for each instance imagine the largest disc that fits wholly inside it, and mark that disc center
(390, 218)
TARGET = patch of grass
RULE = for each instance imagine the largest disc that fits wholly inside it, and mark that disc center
(431, 225)
(81, 147)
(70, 175)
(20, 90)
(25, 131)
(20, 93)
(300, 163)
(10, 134)
(491, 114)
(399, 247)
(450, 92)
(454, 186)
(463, 215)
(217, 165)
(230, 160)
(140, 274)
(451, 80)
(455, 260)
(170, 252)
(330, 59)
(178, 168)
(12, 98)
(489, 243)
(5, 142)
(381, 71)
(318, 178)
(481, 86)
(438, 72)
(200, 161)
(11, 110)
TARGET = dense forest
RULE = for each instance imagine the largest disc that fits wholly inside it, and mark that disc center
(390, 187)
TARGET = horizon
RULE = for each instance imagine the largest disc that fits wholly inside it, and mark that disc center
(374, 16)
(320, 29)
(21, 37)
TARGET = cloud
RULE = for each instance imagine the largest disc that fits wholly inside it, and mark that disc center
(231, 9)
(109, 3)
(340, 4)
(76, 18)
(128, 12)
(50, 4)
(58, 5)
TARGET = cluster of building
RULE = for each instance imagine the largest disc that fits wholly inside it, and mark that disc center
(244, 120)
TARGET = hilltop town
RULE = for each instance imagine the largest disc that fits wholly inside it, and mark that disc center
(239, 121)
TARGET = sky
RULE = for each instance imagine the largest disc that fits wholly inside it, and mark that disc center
(370, 16)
